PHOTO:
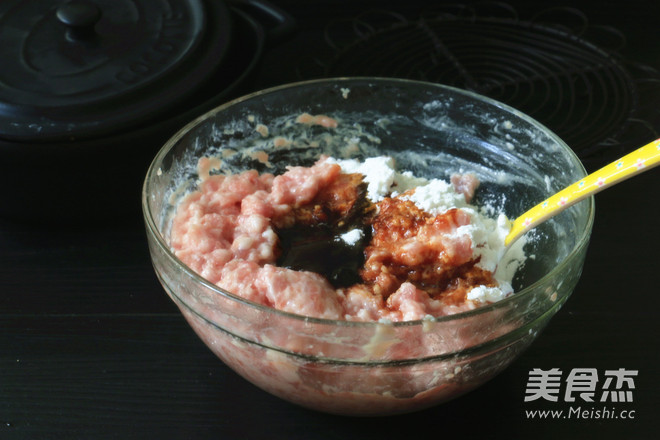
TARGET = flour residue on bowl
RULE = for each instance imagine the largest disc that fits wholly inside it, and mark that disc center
(299, 140)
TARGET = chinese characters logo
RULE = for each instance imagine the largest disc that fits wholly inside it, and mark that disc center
(581, 383)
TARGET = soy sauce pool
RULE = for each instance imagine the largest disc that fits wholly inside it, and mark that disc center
(324, 249)
(329, 235)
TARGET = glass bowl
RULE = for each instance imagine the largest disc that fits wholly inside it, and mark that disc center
(375, 368)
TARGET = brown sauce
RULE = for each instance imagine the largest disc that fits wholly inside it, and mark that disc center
(411, 245)
(401, 243)
(314, 242)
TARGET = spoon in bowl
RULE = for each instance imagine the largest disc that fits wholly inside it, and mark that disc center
(640, 160)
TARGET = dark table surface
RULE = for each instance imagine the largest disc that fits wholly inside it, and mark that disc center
(91, 346)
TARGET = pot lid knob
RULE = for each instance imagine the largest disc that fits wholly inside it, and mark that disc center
(79, 14)
(80, 17)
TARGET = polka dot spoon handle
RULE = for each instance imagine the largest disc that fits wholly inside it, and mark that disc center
(638, 161)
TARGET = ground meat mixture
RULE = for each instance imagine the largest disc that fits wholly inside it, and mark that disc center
(281, 241)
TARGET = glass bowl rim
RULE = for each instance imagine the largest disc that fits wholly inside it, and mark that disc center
(154, 230)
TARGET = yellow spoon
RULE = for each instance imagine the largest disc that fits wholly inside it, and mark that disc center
(638, 161)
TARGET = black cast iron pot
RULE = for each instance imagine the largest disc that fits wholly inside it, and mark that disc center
(90, 90)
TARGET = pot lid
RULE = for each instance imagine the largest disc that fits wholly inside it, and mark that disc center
(86, 68)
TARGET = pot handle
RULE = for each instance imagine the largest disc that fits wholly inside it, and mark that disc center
(277, 22)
